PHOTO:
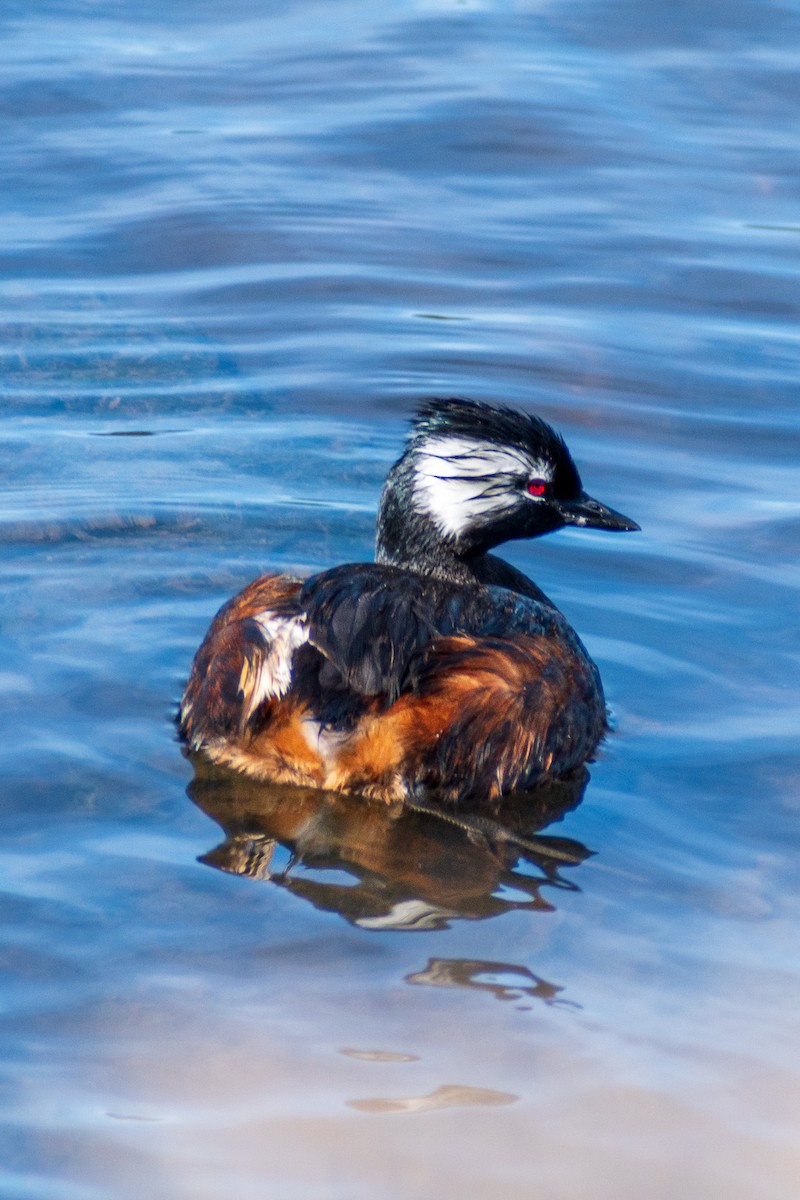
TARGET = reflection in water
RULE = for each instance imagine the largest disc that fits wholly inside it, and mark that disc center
(412, 868)
(381, 1056)
(502, 980)
(450, 1095)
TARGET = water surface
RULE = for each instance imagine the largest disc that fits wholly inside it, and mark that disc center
(235, 250)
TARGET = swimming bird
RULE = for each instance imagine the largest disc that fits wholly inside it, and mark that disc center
(438, 671)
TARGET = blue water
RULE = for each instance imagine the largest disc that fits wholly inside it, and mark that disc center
(249, 241)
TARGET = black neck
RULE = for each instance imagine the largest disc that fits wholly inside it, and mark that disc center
(409, 539)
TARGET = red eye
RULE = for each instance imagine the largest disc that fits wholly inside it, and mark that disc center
(537, 487)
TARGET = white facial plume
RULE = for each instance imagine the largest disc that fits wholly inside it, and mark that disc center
(459, 482)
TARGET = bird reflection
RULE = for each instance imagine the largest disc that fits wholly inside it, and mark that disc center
(410, 867)
(504, 981)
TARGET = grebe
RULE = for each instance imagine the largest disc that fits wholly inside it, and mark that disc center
(437, 671)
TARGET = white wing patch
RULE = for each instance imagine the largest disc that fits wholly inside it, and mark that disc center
(269, 675)
(460, 480)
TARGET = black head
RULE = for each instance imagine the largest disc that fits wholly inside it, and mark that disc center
(475, 475)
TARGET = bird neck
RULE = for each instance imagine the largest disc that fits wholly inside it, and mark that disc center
(409, 539)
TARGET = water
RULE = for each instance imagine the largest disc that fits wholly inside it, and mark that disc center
(235, 250)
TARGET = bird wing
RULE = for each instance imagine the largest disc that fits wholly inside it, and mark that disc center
(334, 644)
(374, 624)
(370, 623)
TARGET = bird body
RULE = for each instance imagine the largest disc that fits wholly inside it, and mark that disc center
(438, 670)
